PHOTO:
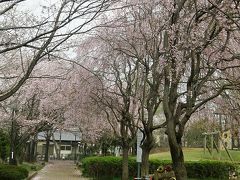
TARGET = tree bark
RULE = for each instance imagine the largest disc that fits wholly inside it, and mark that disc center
(125, 172)
(146, 148)
(27, 158)
(47, 148)
(13, 139)
(145, 163)
(32, 151)
(178, 164)
(134, 149)
(12, 159)
(176, 152)
(85, 149)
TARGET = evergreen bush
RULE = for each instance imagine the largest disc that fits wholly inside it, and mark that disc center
(10, 172)
(110, 166)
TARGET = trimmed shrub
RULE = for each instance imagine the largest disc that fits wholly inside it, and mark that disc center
(101, 166)
(110, 166)
(106, 166)
(9, 172)
(215, 169)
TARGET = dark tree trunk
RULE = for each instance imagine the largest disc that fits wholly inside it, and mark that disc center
(178, 163)
(47, 148)
(85, 149)
(125, 172)
(145, 163)
(59, 145)
(134, 149)
(176, 153)
(12, 159)
(146, 148)
(27, 150)
(13, 139)
(104, 149)
(20, 157)
(32, 151)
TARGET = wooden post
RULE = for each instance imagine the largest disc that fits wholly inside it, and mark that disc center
(210, 149)
(229, 155)
(212, 144)
(205, 143)
(219, 144)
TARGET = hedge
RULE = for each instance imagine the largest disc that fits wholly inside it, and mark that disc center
(215, 169)
(111, 167)
(10, 172)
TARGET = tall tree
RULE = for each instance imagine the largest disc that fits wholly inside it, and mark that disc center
(195, 50)
(118, 99)
(196, 53)
(136, 34)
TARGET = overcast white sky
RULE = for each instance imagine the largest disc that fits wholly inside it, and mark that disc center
(35, 6)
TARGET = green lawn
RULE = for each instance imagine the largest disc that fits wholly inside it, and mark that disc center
(196, 154)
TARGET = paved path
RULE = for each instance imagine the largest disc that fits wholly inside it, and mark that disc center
(59, 170)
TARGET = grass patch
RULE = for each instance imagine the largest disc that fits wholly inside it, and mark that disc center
(196, 154)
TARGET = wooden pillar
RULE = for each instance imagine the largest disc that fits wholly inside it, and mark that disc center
(205, 143)
(219, 145)
(212, 144)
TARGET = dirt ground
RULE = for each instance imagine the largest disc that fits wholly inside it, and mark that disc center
(59, 170)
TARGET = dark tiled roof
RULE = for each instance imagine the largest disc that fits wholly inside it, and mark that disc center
(63, 135)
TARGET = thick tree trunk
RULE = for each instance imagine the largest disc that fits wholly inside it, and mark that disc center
(20, 158)
(134, 149)
(12, 159)
(13, 142)
(176, 153)
(145, 162)
(178, 163)
(47, 149)
(125, 172)
(27, 156)
(85, 149)
(33, 151)
(146, 148)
